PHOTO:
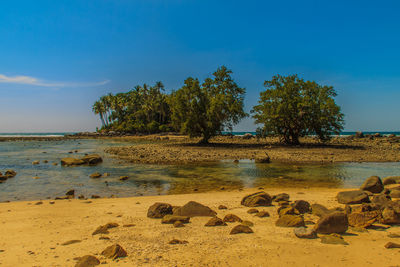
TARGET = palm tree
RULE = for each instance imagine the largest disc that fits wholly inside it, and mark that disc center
(99, 109)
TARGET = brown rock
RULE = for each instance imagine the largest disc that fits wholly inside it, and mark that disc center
(177, 242)
(170, 219)
(232, 218)
(391, 180)
(70, 242)
(290, 221)
(303, 232)
(302, 206)
(87, 261)
(257, 199)
(215, 222)
(392, 245)
(10, 174)
(159, 210)
(363, 219)
(123, 178)
(287, 211)
(262, 214)
(373, 184)
(193, 209)
(335, 222)
(71, 162)
(222, 207)
(319, 210)
(178, 224)
(352, 197)
(95, 175)
(281, 197)
(390, 215)
(251, 211)
(333, 239)
(113, 252)
(247, 223)
(241, 229)
(92, 159)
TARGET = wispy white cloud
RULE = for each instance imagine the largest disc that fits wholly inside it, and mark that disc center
(28, 80)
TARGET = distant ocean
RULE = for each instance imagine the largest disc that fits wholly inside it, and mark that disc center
(58, 134)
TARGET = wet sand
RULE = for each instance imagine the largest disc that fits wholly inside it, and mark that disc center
(32, 234)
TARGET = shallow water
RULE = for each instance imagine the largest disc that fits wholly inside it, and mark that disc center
(158, 179)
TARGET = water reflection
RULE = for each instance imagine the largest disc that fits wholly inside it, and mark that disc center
(159, 179)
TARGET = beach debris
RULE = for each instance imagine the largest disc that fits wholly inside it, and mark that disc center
(232, 218)
(178, 224)
(372, 184)
(333, 239)
(193, 209)
(70, 242)
(87, 261)
(159, 210)
(222, 207)
(177, 242)
(215, 221)
(303, 232)
(123, 178)
(319, 210)
(247, 223)
(392, 245)
(257, 199)
(114, 251)
(251, 211)
(391, 180)
(335, 222)
(352, 197)
(241, 229)
(281, 197)
(171, 219)
(95, 175)
(302, 206)
(363, 219)
(262, 214)
(290, 221)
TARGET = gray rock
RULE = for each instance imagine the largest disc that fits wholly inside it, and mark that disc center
(307, 233)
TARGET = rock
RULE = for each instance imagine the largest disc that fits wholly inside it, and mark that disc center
(159, 210)
(177, 242)
(70, 242)
(392, 245)
(262, 214)
(103, 229)
(287, 211)
(335, 222)
(10, 173)
(87, 261)
(95, 175)
(113, 252)
(170, 219)
(71, 162)
(373, 184)
(394, 194)
(262, 159)
(241, 229)
(123, 178)
(393, 235)
(352, 197)
(363, 219)
(247, 136)
(247, 223)
(251, 211)
(232, 218)
(222, 207)
(391, 180)
(290, 221)
(92, 159)
(381, 200)
(70, 192)
(333, 239)
(307, 233)
(302, 206)
(178, 224)
(281, 197)
(257, 199)
(193, 209)
(215, 222)
(95, 196)
(390, 215)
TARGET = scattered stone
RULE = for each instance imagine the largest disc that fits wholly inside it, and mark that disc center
(303, 232)
(333, 239)
(302, 206)
(284, 210)
(104, 238)
(215, 221)
(222, 207)
(392, 245)
(257, 199)
(87, 261)
(52, 202)
(36, 162)
(95, 175)
(281, 197)
(391, 180)
(335, 222)
(39, 203)
(70, 192)
(262, 214)
(123, 178)
(193, 209)
(290, 221)
(159, 210)
(251, 211)
(177, 242)
(239, 229)
(71, 162)
(95, 196)
(129, 225)
(247, 223)
(70, 242)
(178, 224)
(373, 184)
(102, 229)
(319, 210)
(10, 173)
(92, 159)
(113, 252)
(363, 219)
(390, 215)
(393, 235)
(352, 197)
(232, 218)
(170, 219)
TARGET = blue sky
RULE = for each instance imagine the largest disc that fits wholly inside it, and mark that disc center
(58, 57)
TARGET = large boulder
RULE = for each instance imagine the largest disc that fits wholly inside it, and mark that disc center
(373, 184)
(257, 199)
(391, 215)
(71, 162)
(352, 197)
(159, 210)
(290, 221)
(92, 159)
(335, 222)
(391, 180)
(363, 219)
(193, 209)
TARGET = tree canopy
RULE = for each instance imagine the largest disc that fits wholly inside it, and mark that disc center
(291, 108)
(205, 110)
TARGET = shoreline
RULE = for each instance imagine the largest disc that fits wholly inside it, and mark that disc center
(40, 230)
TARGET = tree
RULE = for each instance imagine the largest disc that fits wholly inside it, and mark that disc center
(291, 108)
(205, 110)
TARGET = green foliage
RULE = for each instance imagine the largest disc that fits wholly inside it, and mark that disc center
(205, 110)
(291, 108)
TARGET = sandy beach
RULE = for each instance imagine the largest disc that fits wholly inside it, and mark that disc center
(33, 234)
